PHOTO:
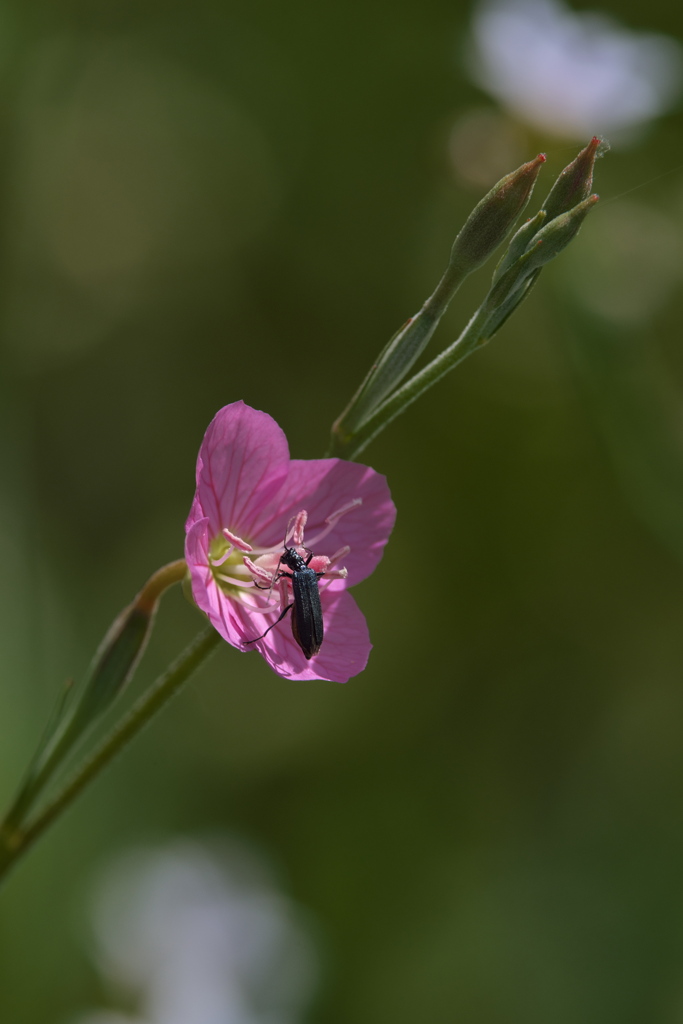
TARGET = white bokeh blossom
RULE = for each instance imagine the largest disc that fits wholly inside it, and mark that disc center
(572, 74)
(197, 934)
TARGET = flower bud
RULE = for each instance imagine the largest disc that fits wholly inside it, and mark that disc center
(112, 668)
(574, 183)
(483, 231)
(115, 662)
(513, 280)
(122, 647)
(556, 235)
(493, 217)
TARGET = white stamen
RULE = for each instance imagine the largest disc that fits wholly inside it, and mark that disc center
(339, 554)
(223, 558)
(233, 582)
(263, 609)
(323, 585)
(332, 520)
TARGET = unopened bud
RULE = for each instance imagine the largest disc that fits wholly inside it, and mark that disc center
(485, 228)
(119, 653)
(574, 183)
(513, 280)
(556, 235)
(494, 216)
(115, 661)
(112, 667)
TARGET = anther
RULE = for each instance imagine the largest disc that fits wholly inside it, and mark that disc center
(256, 570)
(296, 532)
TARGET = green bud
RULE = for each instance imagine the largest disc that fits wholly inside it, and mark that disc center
(512, 283)
(493, 217)
(574, 183)
(121, 649)
(484, 230)
(556, 235)
(114, 662)
(111, 668)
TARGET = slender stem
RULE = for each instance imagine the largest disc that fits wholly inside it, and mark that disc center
(15, 842)
(399, 354)
(159, 581)
(471, 338)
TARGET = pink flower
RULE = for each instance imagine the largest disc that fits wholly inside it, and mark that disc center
(251, 501)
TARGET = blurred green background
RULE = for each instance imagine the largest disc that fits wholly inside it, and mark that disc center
(220, 201)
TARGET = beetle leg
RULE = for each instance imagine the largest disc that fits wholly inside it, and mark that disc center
(279, 619)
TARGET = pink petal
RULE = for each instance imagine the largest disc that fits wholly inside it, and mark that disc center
(242, 464)
(344, 652)
(209, 598)
(321, 486)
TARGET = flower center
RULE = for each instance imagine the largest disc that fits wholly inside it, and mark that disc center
(259, 580)
(227, 565)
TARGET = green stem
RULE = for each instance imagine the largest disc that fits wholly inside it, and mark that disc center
(471, 338)
(15, 841)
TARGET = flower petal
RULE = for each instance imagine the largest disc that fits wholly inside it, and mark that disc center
(222, 612)
(344, 652)
(322, 486)
(242, 464)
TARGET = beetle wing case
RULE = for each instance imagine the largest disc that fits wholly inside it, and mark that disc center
(307, 615)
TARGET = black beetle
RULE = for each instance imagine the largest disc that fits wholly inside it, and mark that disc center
(307, 617)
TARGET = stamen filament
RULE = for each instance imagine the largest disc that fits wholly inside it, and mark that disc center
(223, 558)
(332, 520)
(236, 541)
(233, 582)
(339, 554)
(272, 606)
